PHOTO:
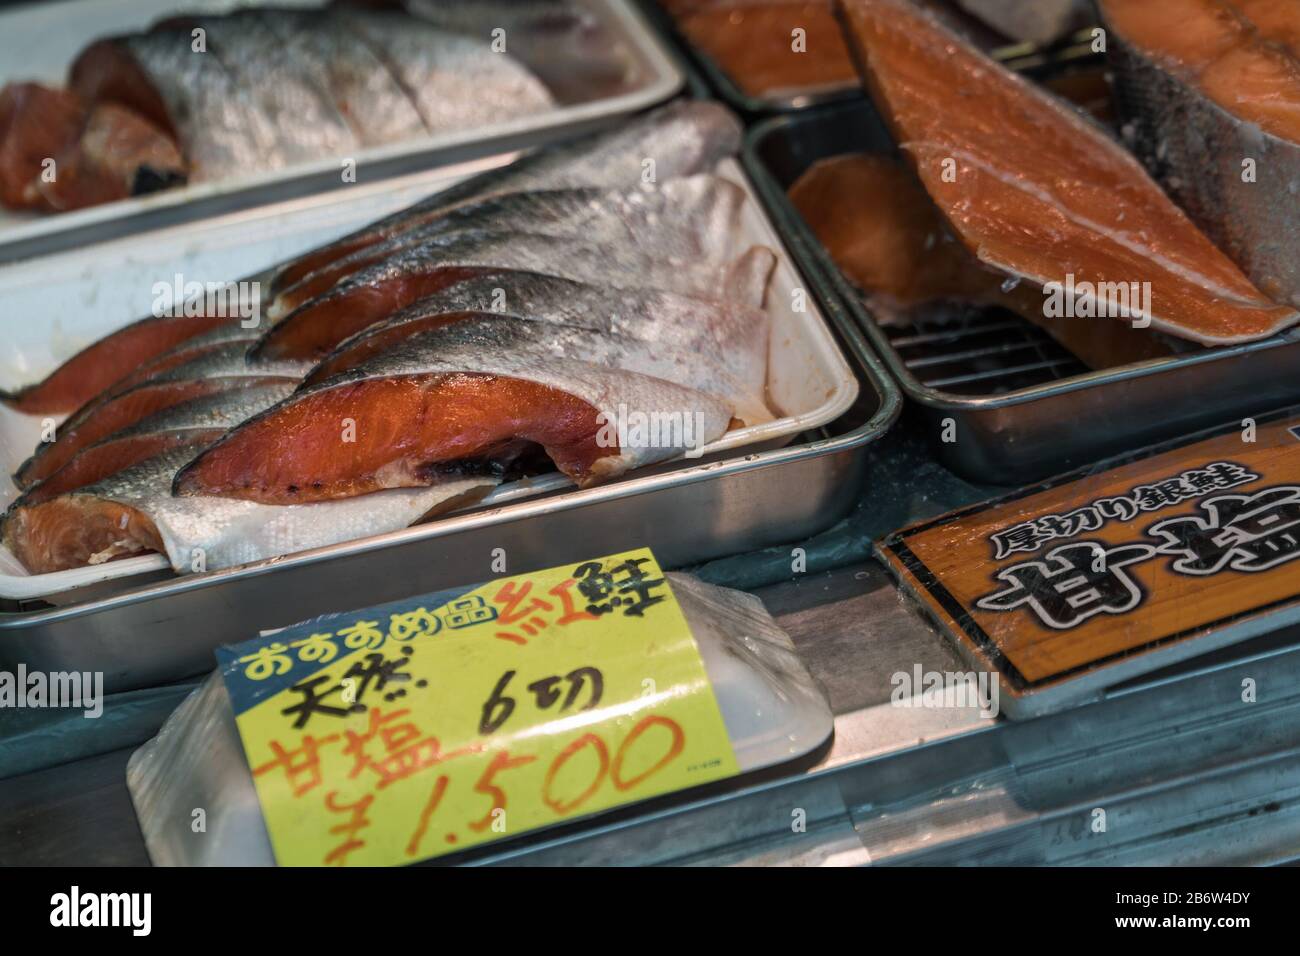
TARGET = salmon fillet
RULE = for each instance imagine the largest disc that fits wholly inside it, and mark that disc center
(1038, 191)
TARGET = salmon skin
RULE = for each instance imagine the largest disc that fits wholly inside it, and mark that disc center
(214, 97)
(378, 292)
(1210, 92)
(684, 242)
(681, 323)
(255, 98)
(220, 369)
(199, 421)
(468, 398)
(680, 139)
(1041, 193)
(675, 215)
(703, 345)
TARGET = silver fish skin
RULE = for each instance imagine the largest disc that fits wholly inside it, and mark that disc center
(457, 83)
(720, 364)
(681, 139)
(229, 361)
(1195, 149)
(514, 350)
(682, 217)
(230, 332)
(222, 410)
(309, 127)
(195, 418)
(620, 265)
(661, 326)
(223, 133)
(364, 91)
(224, 361)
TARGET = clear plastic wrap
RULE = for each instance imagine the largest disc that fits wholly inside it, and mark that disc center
(773, 710)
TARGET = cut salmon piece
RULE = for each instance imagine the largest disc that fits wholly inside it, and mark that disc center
(312, 330)
(874, 217)
(685, 137)
(754, 44)
(1041, 193)
(71, 532)
(409, 431)
(58, 152)
(104, 362)
(473, 397)
(110, 456)
(36, 124)
(199, 420)
(883, 231)
(1209, 91)
(1237, 53)
(115, 414)
(118, 154)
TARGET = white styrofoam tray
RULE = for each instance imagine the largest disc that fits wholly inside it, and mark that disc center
(39, 41)
(56, 305)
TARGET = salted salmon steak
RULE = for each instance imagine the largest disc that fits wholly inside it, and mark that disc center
(219, 370)
(133, 512)
(674, 323)
(461, 400)
(106, 361)
(690, 246)
(1210, 93)
(676, 216)
(1038, 191)
(199, 421)
(257, 97)
(681, 139)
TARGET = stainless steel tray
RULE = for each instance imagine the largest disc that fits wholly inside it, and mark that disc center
(38, 42)
(155, 632)
(1068, 416)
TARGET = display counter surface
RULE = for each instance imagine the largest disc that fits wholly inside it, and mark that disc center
(1183, 772)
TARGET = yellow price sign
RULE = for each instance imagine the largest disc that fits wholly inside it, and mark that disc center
(419, 728)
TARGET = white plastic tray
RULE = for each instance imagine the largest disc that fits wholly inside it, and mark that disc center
(56, 305)
(39, 41)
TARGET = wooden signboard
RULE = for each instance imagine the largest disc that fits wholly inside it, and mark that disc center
(1070, 587)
